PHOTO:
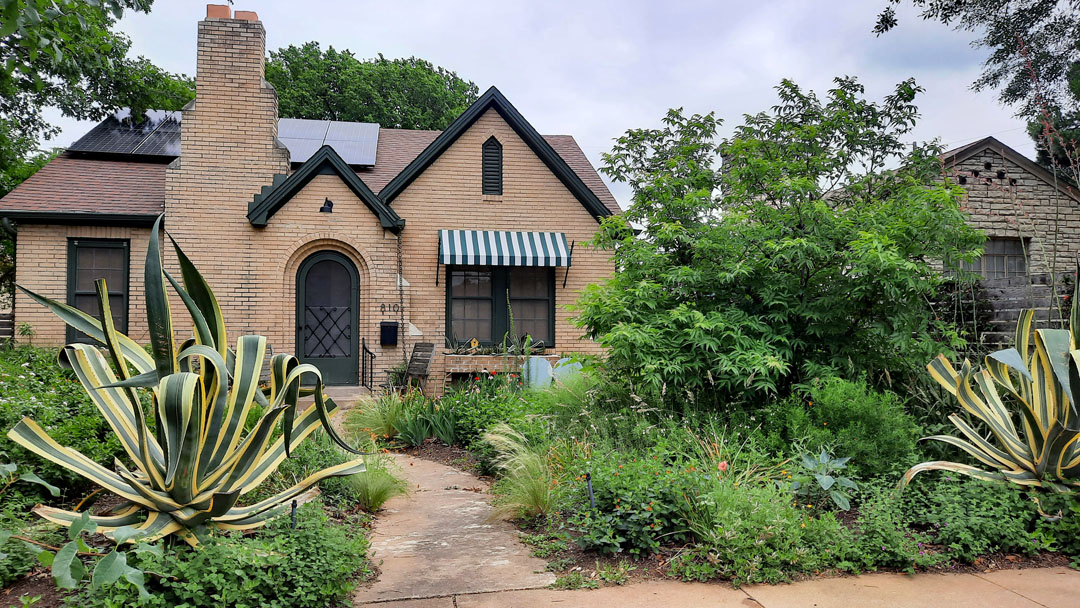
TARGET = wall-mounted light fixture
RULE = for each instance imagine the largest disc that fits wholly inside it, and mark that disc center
(327, 207)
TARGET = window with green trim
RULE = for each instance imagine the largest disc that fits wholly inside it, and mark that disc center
(483, 302)
(90, 260)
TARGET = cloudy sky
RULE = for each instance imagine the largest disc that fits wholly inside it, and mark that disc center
(593, 69)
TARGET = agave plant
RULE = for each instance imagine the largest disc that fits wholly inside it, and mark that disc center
(1041, 379)
(189, 468)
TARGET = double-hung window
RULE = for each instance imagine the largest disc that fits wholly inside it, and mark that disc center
(1001, 258)
(489, 302)
(92, 259)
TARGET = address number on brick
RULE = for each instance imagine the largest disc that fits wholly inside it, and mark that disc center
(385, 308)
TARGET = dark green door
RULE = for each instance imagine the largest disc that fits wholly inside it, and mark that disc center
(327, 316)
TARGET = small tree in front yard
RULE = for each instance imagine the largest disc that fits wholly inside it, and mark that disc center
(805, 254)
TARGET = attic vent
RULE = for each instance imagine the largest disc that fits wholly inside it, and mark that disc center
(492, 166)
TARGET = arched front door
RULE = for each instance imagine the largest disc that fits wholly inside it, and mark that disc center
(327, 316)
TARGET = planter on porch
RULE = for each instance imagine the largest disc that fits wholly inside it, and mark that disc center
(471, 364)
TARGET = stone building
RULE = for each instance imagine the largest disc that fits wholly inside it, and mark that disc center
(344, 243)
(1032, 221)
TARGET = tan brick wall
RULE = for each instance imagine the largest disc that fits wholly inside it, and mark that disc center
(1031, 209)
(448, 196)
(42, 252)
(229, 154)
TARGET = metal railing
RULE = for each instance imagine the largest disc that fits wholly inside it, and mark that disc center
(367, 365)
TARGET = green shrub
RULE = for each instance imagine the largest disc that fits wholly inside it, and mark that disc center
(883, 539)
(32, 384)
(17, 558)
(851, 419)
(752, 533)
(312, 566)
(482, 403)
(1063, 533)
(639, 501)
(971, 517)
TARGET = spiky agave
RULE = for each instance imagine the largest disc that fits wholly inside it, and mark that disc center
(195, 462)
(1041, 379)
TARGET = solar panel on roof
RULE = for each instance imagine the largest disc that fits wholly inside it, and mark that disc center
(158, 134)
(158, 131)
(355, 142)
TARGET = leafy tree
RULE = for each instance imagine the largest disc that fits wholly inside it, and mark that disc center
(66, 54)
(803, 255)
(396, 93)
(1034, 61)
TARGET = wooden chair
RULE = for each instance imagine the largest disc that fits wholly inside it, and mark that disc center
(418, 368)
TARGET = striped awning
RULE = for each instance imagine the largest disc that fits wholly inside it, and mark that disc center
(501, 248)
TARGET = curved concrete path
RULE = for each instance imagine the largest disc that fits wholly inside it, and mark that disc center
(437, 549)
(438, 541)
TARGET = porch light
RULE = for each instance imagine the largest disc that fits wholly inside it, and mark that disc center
(327, 207)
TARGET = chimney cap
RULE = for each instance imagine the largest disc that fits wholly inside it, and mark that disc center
(218, 11)
(246, 16)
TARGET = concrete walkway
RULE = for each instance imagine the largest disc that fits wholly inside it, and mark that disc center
(436, 549)
(438, 542)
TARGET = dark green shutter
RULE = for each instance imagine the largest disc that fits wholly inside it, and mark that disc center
(492, 166)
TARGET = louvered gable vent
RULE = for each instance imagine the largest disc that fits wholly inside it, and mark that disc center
(492, 166)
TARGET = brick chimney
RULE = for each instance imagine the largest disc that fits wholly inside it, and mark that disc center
(228, 145)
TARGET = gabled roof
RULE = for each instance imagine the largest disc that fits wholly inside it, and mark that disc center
(87, 191)
(493, 99)
(324, 162)
(963, 153)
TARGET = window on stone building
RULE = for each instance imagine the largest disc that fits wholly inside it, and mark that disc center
(492, 166)
(88, 261)
(481, 300)
(1001, 258)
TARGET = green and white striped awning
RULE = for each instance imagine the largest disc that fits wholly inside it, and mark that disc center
(501, 248)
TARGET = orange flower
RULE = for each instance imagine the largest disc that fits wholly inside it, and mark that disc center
(722, 466)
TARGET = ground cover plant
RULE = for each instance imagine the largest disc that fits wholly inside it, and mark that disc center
(200, 459)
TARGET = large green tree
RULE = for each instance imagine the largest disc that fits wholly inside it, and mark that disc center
(67, 54)
(396, 93)
(803, 254)
(1033, 62)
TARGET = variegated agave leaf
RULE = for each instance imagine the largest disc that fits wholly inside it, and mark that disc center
(1040, 377)
(189, 472)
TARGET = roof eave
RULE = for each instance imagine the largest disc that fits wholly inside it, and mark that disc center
(963, 153)
(493, 99)
(260, 211)
(83, 219)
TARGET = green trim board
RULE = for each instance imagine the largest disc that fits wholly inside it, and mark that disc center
(79, 219)
(493, 99)
(324, 162)
(74, 244)
(500, 296)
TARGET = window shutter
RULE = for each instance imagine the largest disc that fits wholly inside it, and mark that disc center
(492, 166)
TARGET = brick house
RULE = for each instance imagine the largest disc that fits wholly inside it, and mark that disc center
(1031, 220)
(331, 239)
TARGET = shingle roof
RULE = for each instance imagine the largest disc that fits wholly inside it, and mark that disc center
(98, 186)
(91, 186)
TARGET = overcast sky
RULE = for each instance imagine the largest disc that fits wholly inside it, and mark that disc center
(593, 69)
